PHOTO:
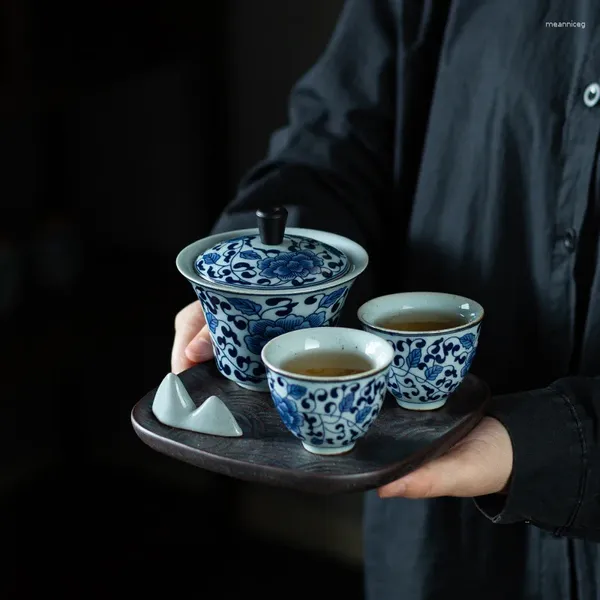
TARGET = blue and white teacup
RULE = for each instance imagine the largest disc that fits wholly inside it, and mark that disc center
(429, 364)
(328, 414)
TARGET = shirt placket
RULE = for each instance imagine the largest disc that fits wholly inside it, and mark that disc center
(582, 127)
(589, 363)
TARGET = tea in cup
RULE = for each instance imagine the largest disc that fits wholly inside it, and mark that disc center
(434, 337)
(328, 384)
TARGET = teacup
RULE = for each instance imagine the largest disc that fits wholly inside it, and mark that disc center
(328, 384)
(434, 336)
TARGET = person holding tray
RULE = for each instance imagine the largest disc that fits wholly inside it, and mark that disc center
(458, 142)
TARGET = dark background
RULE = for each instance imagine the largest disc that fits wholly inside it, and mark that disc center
(125, 127)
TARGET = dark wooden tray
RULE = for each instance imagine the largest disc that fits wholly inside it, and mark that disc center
(398, 442)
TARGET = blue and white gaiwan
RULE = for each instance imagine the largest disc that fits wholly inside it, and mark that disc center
(257, 284)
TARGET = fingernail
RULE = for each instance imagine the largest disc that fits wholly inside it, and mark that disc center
(199, 349)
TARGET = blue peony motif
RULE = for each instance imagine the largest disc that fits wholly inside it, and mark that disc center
(297, 260)
(290, 416)
(289, 265)
(265, 330)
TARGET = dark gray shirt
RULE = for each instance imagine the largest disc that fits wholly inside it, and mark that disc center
(457, 140)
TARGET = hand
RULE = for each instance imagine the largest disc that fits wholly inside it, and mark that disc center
(192, 340)
(480, 464)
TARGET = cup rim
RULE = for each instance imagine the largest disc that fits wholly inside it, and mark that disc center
(398, 295)
(336, 378)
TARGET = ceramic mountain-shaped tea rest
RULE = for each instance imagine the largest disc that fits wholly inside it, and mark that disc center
(173, 406)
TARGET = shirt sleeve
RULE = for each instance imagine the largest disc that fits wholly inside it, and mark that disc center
(555, 483)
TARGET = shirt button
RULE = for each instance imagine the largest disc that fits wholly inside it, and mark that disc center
(570, 240)
(591, 95)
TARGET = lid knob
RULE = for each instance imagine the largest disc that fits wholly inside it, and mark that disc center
(271, 224)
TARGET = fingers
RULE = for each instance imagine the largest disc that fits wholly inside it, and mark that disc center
(200, 348)
(448, 475)
(480, 464)
(190, 330)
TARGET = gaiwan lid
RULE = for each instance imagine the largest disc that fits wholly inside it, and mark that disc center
(270, 259)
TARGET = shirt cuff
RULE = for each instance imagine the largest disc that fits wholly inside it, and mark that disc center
(548, 461)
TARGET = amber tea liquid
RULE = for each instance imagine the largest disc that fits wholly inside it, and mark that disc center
(422, 321)
(328, 364)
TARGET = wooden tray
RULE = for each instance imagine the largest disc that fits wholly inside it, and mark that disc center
(398, 442)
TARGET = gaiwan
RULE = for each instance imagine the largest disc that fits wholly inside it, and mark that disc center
(256, 284)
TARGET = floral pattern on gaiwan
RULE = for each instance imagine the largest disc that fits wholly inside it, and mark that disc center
(246, 262)
(241, 326)
(332, 417)
(290, 265)
(429, 368)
